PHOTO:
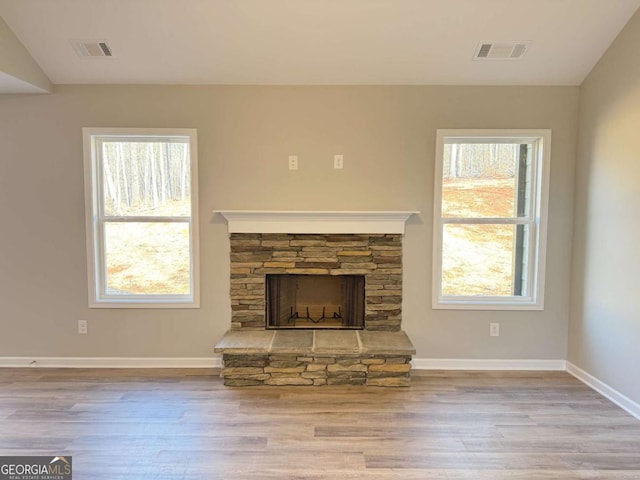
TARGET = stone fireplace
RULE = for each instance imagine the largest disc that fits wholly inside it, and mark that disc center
(316, 299)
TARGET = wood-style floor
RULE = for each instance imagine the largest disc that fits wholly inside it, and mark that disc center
(184, 424)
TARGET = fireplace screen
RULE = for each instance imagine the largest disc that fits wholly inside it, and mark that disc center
(315, 301)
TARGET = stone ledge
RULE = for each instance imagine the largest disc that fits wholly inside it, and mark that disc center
(305, 342)
(245, 342)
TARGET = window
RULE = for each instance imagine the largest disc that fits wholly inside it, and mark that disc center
(141, 211)
(491, 189)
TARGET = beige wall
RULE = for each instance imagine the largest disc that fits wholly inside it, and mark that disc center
(605, 310)
(387, 135)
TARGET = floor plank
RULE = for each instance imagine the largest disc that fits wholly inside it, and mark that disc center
(185, 425)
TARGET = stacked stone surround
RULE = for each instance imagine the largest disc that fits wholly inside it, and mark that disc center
(377, 257)
(373, 370)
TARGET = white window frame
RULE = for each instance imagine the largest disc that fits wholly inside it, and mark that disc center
(95, 219)
(536, 220)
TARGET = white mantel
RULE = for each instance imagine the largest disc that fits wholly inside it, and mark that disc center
(287, 221)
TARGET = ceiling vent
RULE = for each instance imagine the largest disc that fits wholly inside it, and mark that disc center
(501, 50)
(92, 48)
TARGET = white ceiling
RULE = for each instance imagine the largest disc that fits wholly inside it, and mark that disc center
(317, 41)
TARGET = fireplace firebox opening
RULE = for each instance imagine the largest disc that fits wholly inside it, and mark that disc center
(315, 301)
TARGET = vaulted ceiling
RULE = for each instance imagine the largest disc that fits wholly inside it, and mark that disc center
(313, 41)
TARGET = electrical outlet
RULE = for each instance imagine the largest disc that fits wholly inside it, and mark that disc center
(83, 327)
(494, 329)
(338, 161)
(293, 162)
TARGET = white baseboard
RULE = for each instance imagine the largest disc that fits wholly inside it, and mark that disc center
(605, 390)
(111, 362)
(215, 362)
(486, 364)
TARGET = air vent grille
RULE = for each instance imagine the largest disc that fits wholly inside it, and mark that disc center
(501, 50)
(485, 48)
(92, 48)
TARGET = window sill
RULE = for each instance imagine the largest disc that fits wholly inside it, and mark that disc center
(477, 305)
(123, 304)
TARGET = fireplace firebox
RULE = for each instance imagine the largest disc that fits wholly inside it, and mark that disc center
(315, 301)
